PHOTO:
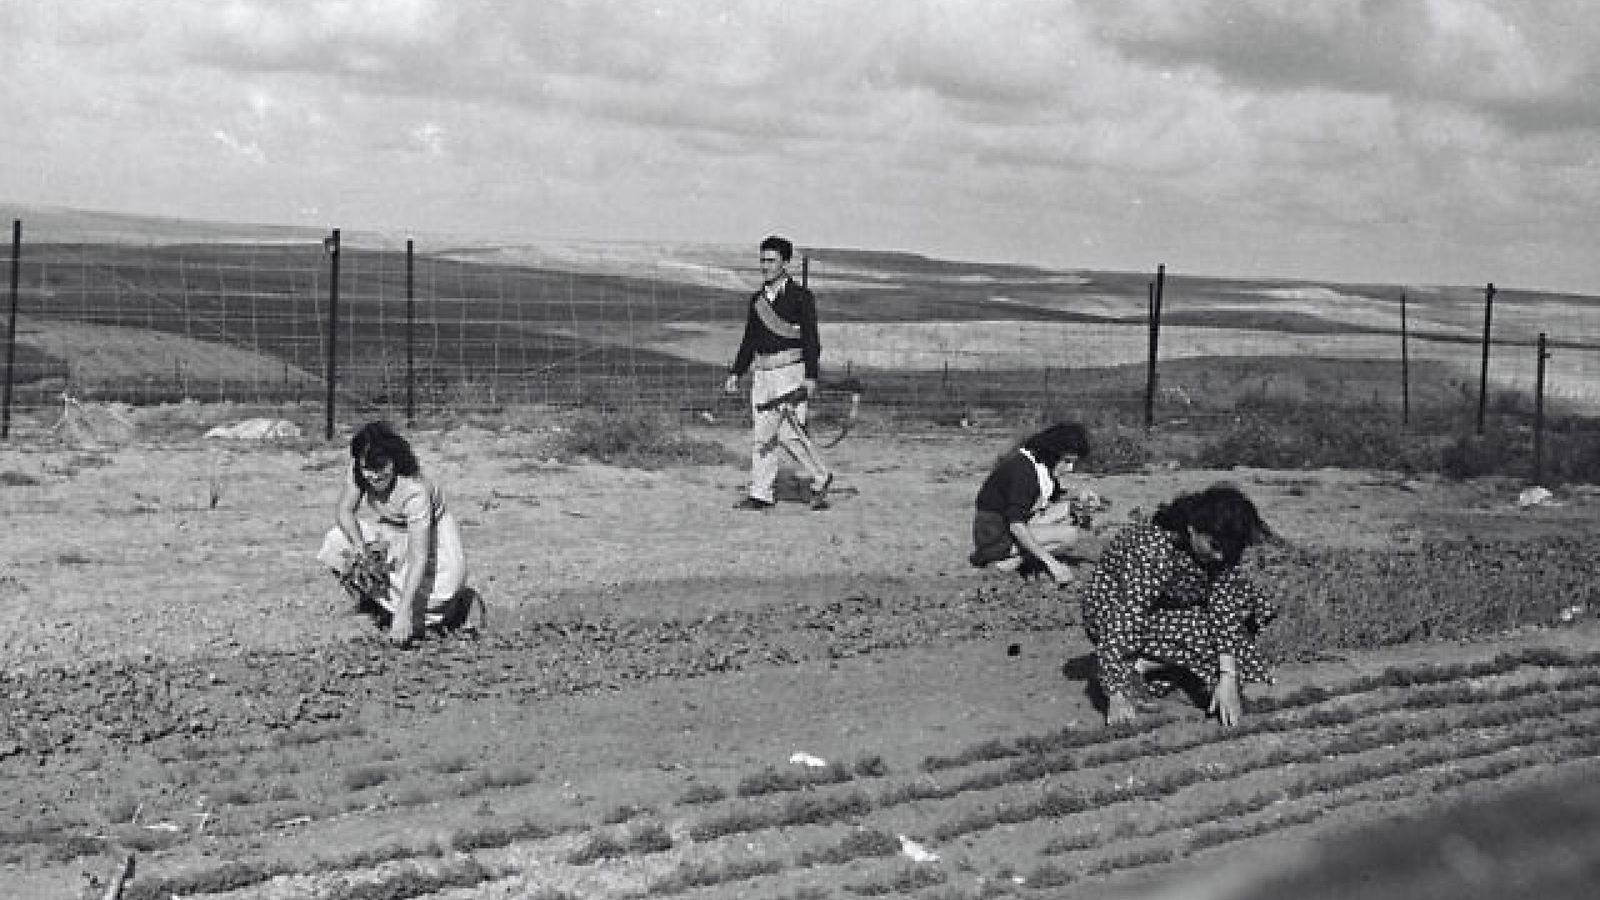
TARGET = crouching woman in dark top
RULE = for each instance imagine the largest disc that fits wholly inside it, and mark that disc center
(1019, 519)
(1169, 594)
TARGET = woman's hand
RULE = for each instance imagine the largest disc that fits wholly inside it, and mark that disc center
(1225, 700)
(1120, 710)
(1060, 572)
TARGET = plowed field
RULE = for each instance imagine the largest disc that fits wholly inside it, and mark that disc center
(676, 699)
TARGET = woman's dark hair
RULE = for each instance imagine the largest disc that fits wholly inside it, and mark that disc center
(1221, 512)
(378, 443)
(1060, 439)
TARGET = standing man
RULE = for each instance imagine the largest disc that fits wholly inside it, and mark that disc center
(781, 349)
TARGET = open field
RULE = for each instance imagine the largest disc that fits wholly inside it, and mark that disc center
(181, 682)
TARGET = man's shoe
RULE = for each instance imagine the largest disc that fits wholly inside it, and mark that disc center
(753, 503)
(819, 496)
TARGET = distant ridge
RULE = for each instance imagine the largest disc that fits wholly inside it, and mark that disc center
(55, 223)
(729, 266)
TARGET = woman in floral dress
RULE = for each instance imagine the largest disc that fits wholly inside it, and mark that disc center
(1169, 594)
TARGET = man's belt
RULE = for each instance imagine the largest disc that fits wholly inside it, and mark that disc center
(778, 360)
(796, 396)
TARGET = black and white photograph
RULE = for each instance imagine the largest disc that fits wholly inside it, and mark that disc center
(775, 450)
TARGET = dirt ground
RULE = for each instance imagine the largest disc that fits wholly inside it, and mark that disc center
(181, 679)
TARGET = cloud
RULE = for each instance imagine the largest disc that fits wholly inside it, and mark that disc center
(1527, 64)
(430, 137)
(248, 150)
(1285, 137)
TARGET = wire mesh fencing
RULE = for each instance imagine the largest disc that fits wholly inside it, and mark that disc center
(426, 332)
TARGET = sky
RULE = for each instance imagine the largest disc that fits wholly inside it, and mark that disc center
(1390, 141)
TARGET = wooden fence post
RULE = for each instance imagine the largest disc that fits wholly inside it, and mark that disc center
(1483, 374)
(1405, 366)
(411, 322)
(1538, 412)
(11, 328)
(331, 245)
(1155, 290)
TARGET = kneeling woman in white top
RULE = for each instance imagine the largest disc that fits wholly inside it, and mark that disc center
(387, 511)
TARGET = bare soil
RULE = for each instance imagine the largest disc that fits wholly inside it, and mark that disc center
(181, 681)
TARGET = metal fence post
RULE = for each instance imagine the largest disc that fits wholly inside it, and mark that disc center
(331, 245)
(1483, 374)
(1155, 290)
(11, 327)
(411, 321)
(1538, 412)
(1405, 366)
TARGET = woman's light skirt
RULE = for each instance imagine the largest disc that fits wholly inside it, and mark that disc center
(443, 581)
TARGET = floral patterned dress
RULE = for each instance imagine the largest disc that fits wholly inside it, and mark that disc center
(1149, 598)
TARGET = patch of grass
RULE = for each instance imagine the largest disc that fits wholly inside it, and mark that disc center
(500, 777)
(74, 846)
(1082, 840)
(635, 438)
(704, 874)
(650, 837)
(701, 793)
(858, 844)
(233, 795)
(367, 857)
(603, 845)
(625, 812)
(228, 877)
(1285, 434)
(1361, 599)
(870, 767)
(502, 835)
(801, 810)
(1134, 859)
(363, 777)
(905, 880)
(772, 781)
(1050, 875)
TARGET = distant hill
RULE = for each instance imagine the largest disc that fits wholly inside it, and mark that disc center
(546, 306)
(53, 223)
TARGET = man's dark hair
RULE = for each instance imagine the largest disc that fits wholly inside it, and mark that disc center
(1221, 512)
(1060, 439)
(378, 443)
(783, 246)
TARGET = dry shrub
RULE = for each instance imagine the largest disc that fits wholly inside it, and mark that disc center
(93, 424)
(637, 438)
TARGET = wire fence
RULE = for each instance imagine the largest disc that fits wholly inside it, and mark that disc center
(425, 332)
